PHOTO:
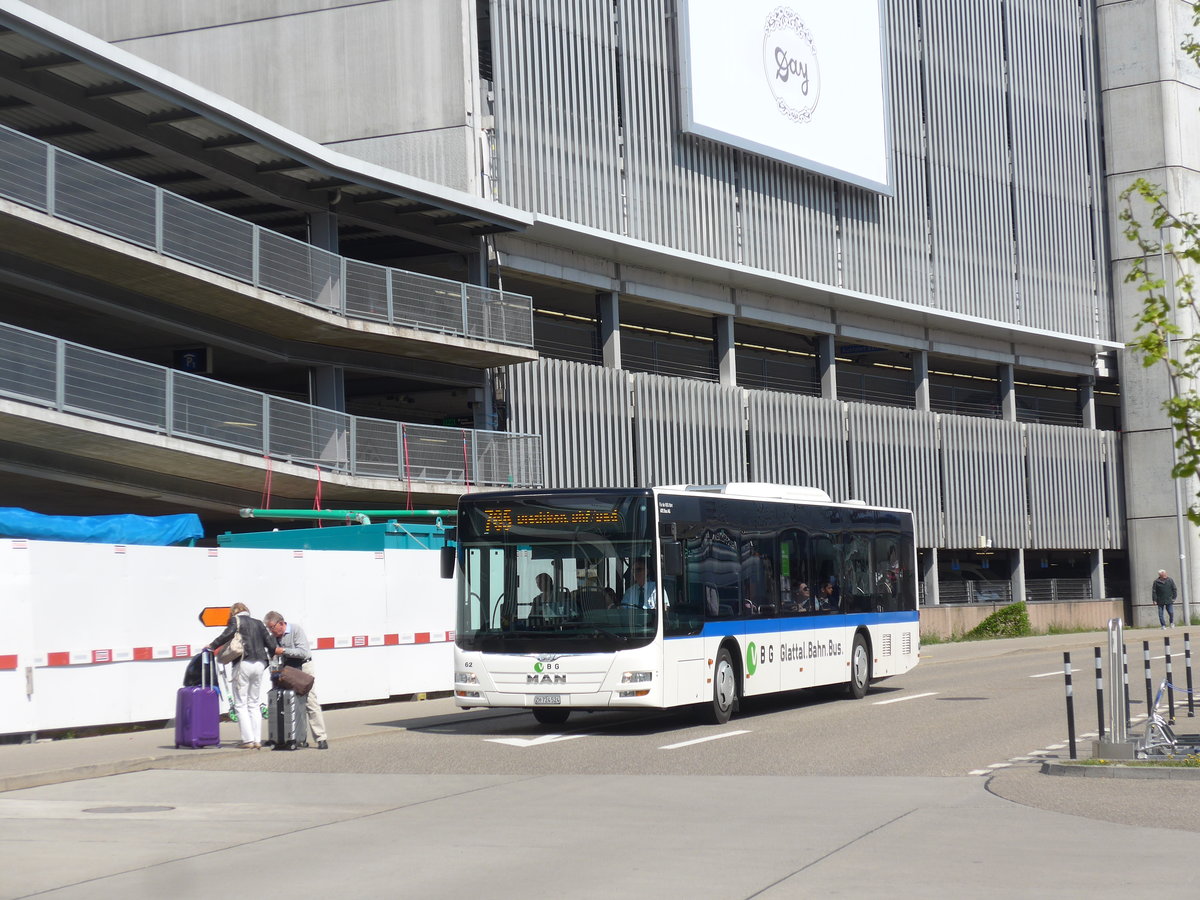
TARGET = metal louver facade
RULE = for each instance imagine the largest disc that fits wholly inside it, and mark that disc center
(1019, 485)
(996, 212)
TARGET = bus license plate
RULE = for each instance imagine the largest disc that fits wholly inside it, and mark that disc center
(547, 699)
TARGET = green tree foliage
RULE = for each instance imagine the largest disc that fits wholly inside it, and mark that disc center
(1008, 621)
(1168, 328)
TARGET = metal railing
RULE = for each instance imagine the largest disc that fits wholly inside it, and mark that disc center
(1037, 590)
(975, 592)
(69, 187)
(71, 378)
(1053, 590)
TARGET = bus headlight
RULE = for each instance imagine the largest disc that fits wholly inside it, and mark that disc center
(636, 677)
(466, 678)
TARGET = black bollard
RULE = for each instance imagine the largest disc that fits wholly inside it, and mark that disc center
(1187, 664)
(1099, 694)
(1125, 681)
(1149, 686)
(1170, 683)
(1070, 704)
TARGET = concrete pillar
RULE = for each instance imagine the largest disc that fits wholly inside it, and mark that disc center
(920, 375)
(1087, 401)
(827, 365)
(1096, 559)
(327, 384)
(323, 230)
(1018, 575)
(929, 577)
(723, 335)
(327, 387)
(608, 318)
(477, 265)
(1148, 87)
(1008, 393)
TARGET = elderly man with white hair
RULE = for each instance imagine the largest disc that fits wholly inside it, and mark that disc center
(1163, 592)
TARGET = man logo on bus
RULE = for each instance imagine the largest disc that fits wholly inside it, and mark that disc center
(751, 659)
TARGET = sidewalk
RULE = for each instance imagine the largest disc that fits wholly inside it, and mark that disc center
(54, 761)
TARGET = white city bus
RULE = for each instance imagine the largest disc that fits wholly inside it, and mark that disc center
(749, 589)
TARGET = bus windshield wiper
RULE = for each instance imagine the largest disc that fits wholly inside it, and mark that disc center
(593, 627)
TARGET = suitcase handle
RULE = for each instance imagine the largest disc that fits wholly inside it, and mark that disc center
(207, 668)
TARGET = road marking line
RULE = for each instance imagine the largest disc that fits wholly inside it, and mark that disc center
(533, 742)
(1058, 672)
(980, 772)
(902, 699)
(1000, 765)
(711, 737)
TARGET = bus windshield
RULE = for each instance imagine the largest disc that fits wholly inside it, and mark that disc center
(568, 573)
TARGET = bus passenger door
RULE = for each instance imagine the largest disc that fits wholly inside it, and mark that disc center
(759, 584)
(796, 613)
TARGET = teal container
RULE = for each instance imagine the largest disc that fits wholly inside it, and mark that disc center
(390, 535)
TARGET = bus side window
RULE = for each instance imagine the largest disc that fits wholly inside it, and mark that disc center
(889, 576)
(760, 586)
(795, 593)
(712, 575)
(858, 592)
(826, 556)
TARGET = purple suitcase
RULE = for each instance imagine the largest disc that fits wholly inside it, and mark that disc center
(198, 716)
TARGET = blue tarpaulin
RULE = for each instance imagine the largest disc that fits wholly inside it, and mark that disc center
(160, 531)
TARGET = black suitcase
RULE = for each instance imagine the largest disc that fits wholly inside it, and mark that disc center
(287, 720)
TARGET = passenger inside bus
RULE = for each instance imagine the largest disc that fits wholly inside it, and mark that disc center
(549, 603)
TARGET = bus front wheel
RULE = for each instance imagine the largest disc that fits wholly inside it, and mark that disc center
(550, 716)
(724, 688)
(860, 668)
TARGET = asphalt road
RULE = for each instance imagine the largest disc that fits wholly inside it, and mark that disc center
(929, 787)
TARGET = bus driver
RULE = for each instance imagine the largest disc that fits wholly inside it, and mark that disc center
(642, 594)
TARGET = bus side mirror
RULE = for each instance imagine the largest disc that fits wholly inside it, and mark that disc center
(449, 561)
(672, 561)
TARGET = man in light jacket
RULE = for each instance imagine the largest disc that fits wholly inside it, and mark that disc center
(293, 647)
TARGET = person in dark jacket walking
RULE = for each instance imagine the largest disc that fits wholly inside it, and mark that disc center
(1164, 593)
(258, 647)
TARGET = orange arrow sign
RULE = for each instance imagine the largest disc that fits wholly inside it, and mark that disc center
(214, 616)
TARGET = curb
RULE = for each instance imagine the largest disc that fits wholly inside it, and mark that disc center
(1116, 770)
(96, 770)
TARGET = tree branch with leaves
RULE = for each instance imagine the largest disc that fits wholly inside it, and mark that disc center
(1168, 328)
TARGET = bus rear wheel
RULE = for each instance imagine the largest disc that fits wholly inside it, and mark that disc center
(551, 716)
(860, 668)
(724, 689)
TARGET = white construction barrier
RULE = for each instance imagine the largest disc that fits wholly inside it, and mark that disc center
(100, 634)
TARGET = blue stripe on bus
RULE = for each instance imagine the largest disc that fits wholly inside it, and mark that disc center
(798, 623)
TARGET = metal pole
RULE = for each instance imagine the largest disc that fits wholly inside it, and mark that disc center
(1170, 683)
(1187, 664)
(1173, 388)
(1149, 686)
(1070, 704)
(1099, 694)
(1125, 682)
(1116, 699)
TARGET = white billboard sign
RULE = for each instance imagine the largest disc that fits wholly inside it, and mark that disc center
(796, 80)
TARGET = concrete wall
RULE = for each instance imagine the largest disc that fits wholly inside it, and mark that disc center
(950, 620)
(1151, 91)
(391, 82)
(97, 634)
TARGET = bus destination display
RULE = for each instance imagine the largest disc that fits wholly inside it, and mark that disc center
(502, 519)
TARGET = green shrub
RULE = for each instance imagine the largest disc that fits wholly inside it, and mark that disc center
(1009, 621)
